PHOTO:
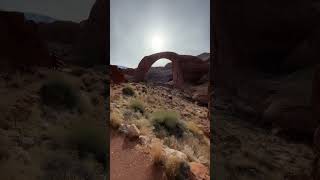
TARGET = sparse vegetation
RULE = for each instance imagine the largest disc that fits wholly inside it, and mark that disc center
(128, 91)
(115, 120)
(176, 169)
(88, 139)
(169, 121)
(137, 106)
(157, 153)
(60, 92)
(60, 166)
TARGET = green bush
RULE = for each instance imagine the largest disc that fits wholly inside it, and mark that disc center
(89, 139)
(137, 106)
(60, 92)
(128, 91)
(168, 121)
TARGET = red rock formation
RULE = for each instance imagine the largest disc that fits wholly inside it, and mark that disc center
(60, 31)
(21, 45)
(93, 42)
(185, 68)
(116, 75)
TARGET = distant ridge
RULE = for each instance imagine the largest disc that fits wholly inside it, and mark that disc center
(38, 18)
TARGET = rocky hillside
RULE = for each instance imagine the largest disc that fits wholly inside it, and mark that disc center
(46, 119)
(265, 73)
(165, 124)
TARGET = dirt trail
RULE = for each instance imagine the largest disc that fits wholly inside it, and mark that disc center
(127, 162)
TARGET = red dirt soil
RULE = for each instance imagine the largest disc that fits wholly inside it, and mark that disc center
(128, 162)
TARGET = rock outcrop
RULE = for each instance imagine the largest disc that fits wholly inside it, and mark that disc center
(93, 42)
(21, 44)
(185, 68)
(271, 58)
(60, 31)
(116, 75)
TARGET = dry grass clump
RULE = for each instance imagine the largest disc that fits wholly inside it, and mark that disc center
(157, 153)
(192, 127)
(144, 126)
(137, 106)
(168, 121)
(115, 120)
(128, 91)
(176, 169)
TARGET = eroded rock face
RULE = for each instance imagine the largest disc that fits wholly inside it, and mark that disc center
(93, 41)
(254, 65)
(185, 68)
(60, 31)
(21, 45)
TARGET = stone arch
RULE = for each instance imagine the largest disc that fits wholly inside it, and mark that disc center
(185, 68)
(146, 63)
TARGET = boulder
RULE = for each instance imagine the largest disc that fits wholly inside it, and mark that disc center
(130, 130)
(174, 153)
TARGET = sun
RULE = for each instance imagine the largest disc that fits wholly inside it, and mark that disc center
(157, 43)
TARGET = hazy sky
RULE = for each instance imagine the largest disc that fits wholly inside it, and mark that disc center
(72, 10)
(143, 27)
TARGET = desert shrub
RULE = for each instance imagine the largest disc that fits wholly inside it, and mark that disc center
(60, 92)
(62, 166)
(157, 153)
(115, 120)
(89, 139)
(128, 91)
(176, 169)
(168, 121)
(137, 106)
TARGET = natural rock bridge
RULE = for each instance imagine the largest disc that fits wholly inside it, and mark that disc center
(185, 68)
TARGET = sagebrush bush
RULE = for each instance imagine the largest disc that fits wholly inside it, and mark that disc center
(60, 92)
(168, 121)
(89, 139)
(128, 90)
(137, 106)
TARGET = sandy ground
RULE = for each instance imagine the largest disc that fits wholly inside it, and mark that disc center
(128, 162)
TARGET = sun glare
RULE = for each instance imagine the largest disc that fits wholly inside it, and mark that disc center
(157, 43)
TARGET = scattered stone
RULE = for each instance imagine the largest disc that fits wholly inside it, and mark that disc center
(130, 130)
(133, 131)
(175, 153)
